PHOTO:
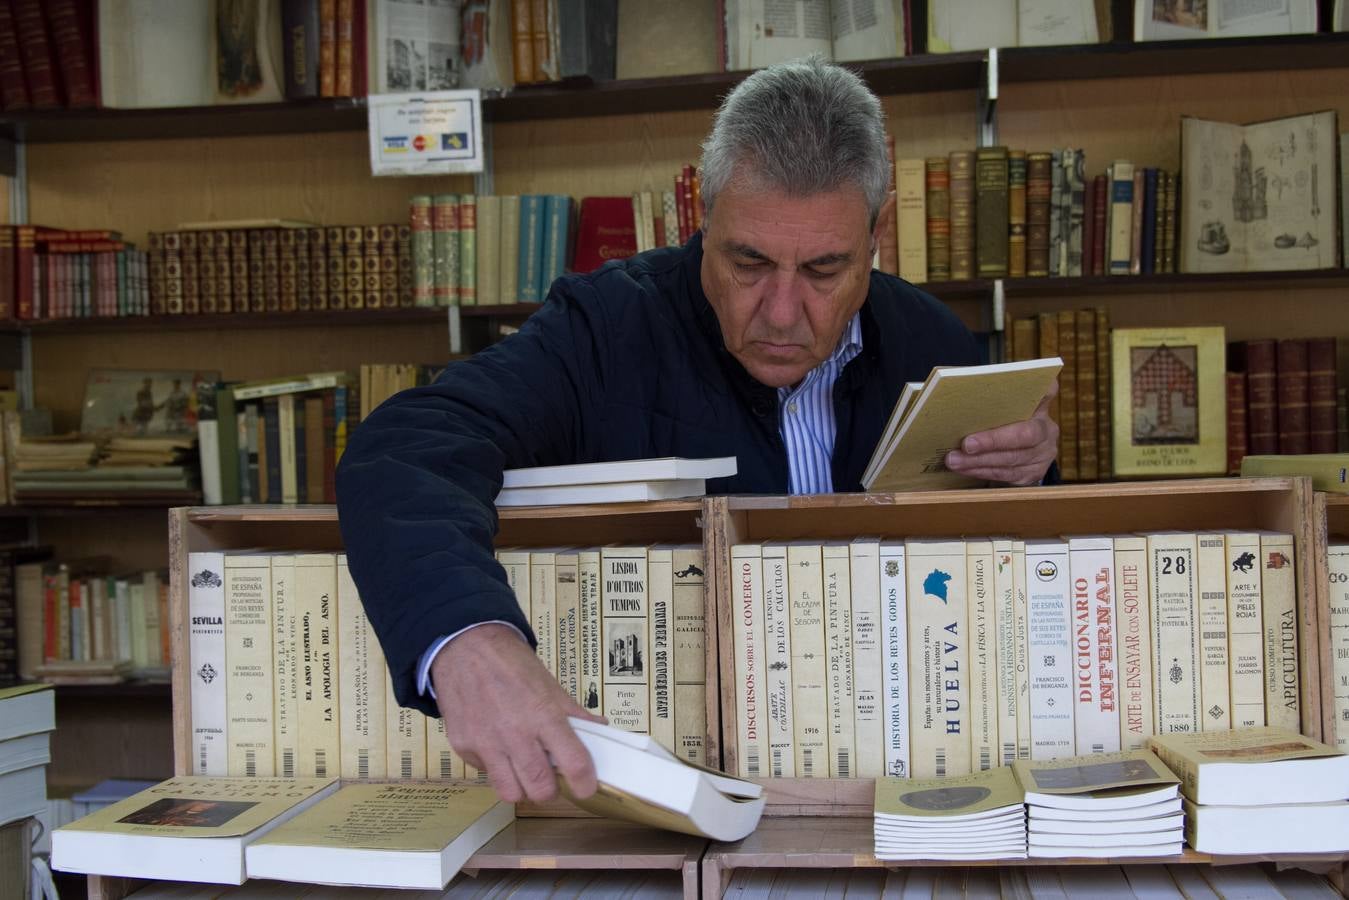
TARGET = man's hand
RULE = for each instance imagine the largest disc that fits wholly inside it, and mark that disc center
(1017, 454)
(505, 713)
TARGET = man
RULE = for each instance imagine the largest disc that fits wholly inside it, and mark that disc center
(766, 337)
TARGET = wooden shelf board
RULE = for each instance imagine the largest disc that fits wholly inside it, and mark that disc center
(1099, 285)
(142, 689)
(80, 508)
(232, 321)
(326, 514)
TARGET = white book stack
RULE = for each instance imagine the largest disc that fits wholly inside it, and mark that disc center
(624, 481)
(973, 817)
(1104, 805)
(27, 717)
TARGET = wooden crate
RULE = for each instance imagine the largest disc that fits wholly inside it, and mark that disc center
(1282, 504)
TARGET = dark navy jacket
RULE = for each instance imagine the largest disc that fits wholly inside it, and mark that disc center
(623, 363)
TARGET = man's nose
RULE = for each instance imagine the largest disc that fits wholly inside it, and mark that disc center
(782, 300)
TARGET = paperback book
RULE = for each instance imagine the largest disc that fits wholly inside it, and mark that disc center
(1254, 766)
(980, 816)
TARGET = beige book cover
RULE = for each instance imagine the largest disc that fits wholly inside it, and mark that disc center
(1283, 707)
(487, 246)
(543, 606)
(660, 601)
(248, 660)
(285, 666)
(361, 674)
(516, 564)
(1022, 655)
(1005, 657)
(1091, 563)
(868, 659)
(840, 680)
(203, 807)
(1173, 610)
(442, 763)
(689, 624)
(939, 718)
(983, 650)
(286, 434)
(1215, 689)
(1127, 769)
(777, 655)
(810, 666)
(911, 217)
(510, 248)
(591, 687)
(1134, 628)
(1245, 630)
(956, 402)
(751, 726)
(1337, 558)
(318, 741)
(1168, 402)
(1050, 648)
(404, 738)
(567, 599)
(961, 797)
(625, 612)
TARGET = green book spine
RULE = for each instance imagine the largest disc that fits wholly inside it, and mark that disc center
(423, 252)
(468, 250)
(229, 445)
(445, 228)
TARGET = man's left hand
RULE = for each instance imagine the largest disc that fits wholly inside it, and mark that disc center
(1016, 454)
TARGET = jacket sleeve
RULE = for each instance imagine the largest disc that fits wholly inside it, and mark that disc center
(417, 481)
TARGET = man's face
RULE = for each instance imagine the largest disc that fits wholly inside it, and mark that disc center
(785, 275)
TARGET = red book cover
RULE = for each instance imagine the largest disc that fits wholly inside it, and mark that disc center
(606, 231)
(24, 245)
(1098, 211)
(13, 85)
(1088, 226)
(38, 59)
(1262, 419)
(51, 644)
(659, 223)
(1321, 395)
(1236, 421)
(345, 47)
(359, 56)
(72, 51)
(695, 219)
(327, 48)
(681, 208)
(1292, 393)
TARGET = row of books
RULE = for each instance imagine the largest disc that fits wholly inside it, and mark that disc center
(669, 218)
(61, 468)
(936, 658)
(1283, 397)
(56, 273)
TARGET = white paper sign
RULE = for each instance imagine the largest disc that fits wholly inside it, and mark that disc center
(430, 133)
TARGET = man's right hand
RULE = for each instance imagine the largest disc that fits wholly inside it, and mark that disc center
(504, 712)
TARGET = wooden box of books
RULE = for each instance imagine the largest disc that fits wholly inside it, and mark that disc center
(869, 634)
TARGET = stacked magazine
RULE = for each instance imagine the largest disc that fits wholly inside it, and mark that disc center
(624, 481)
(973, 817)
(1103, 805)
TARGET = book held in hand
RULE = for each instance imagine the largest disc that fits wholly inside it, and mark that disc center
(979, 816)
(190, 828)
(954, 402)
(1254, 766)
(383, 835)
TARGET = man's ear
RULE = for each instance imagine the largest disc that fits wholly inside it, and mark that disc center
(885, 220)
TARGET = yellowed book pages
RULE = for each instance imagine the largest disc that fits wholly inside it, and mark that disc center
(911, 216)
(1245, 630)
(1173, 609)
(690, 653)
(361, 673)
(1004, 619)
(543, 606)
(286, 666)
(1328, 471)
(248, 658)
(939, 718)
(1168, 394)
(748, 633)
(961, 797)
(810, 692)
(1134, 627)
(1283, 707)
(953, 404)
(983, 650)
(591, 687)
(839, 683)
(897, 416)
(1023, 714)
(777, 655)
(404, 738)
(627, 675)
(1337, 557)
(318, 741)
(868, 659)
(568, 602)
(660, 601)
(442, 763)
(1215, 689)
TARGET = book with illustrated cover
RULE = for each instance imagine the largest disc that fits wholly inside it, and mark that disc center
(978, 816)
(1188, 21)
(1120, 781)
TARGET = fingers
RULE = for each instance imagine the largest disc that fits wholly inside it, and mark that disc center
(501, 775)
(570, 758)
(1017, 436)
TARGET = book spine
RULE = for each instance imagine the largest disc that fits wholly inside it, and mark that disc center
(156, 621)
(248, 681)
(962, 215)
(71, 52)
(444, 233)
(1095, 684)
(39, 64)
(1337, 558)
(1173, 610)
(1021, 653)
(1051, 651)
(522, 42)
(1136, 224)
(404, 738)
(1120, 239)
(1293, 405)
(318, 734)
(748, 626)
(568, 600)
(1016, 213)
(1283, 708)
(591, 638)
(810, 692)
(777, 657)
(1057, 184)
(30, 598)
(938, 659)
(895, 656)
(1262, 395)
(285, 424)
(206, 650)
(1104, 451)
(1321, 395)
(328, 48)
(690, 654)
(938, 204)
(1088, 458)
(1149, 220)
(1215, 696)
(345, 69)
(911, 214)
(286, 666)
(992, 212)
(670, 219)
(1100, 193)
(361, 695)
(531, 249)
(469, 295)
(301, 29)
(1076, 212)
(1047, 332)
(887, 249)
(1245, 634)
(1038, 190)
(542, 609)
(315, 447)
(660, 598)
(624, 596)
(983, 654)
(488, 245)
(1236, 421)
(556, 233)
(13, 85)
(545, 65)
(442, 763)
(868, 660)
(840, 681)
(1067, 351)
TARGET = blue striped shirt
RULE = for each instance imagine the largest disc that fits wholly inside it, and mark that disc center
(806, 417)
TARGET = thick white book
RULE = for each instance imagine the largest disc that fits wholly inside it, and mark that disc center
(839, 657)
(983, 650)
(1215, 691)
(1173, 609)
(669, 468)
(1278, 591)
(1091, 562)
(206, 652)
(318, 737)
(810, 670)
(609, 492)
(895, 655)
(1337, 564)
(1255, 767)
(1134, 641)
(868, 664)
(1004, 618)
(777, 655)
(748, 633)
(1051, 651)
(660, 602)
(1281, 828)
(361, 670)
(1245, 630)
(938, 658)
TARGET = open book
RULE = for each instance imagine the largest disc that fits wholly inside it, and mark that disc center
(931, 419)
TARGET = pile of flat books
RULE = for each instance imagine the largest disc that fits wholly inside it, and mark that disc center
(624, 481)
(1104, 805)
(145, 469)
(972, 817)
(1260, 790)
(27, 718)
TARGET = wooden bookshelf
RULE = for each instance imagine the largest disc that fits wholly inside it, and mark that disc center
(330, 318)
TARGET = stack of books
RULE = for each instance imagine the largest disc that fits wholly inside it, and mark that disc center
(1260, 790)
(1103, 805)
(27, 717)
(623, 481)
(973, 817)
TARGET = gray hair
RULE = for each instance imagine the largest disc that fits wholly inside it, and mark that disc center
(803, 128)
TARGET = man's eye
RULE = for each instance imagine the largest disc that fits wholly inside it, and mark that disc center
(752, 265)
(821, 273)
